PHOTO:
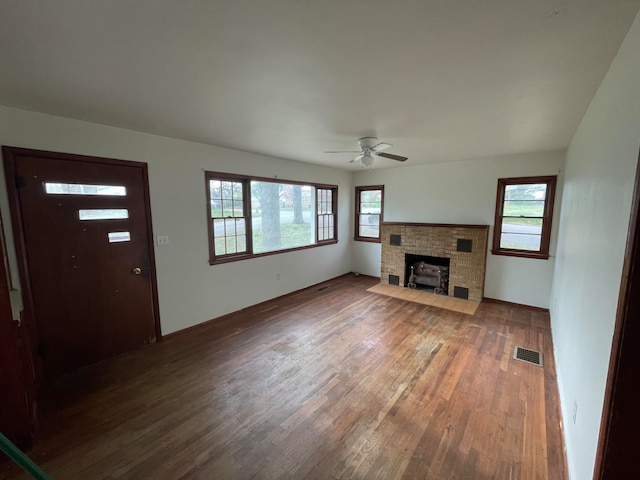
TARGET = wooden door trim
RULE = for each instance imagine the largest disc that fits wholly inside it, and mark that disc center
(16, 407)
(10, 155)
(152, 254)
(619, 424)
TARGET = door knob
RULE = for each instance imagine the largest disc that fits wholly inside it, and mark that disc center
(137, 271)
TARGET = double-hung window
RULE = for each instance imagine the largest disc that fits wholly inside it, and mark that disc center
(368, 213)
(250, 216)
(228, 215)
(524, 209)
(326, 215)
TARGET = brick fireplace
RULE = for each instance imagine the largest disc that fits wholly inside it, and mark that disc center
(464, 245)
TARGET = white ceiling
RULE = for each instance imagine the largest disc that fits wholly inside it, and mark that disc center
(441, 80)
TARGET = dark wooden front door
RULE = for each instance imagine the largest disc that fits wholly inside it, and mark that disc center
(88, 256)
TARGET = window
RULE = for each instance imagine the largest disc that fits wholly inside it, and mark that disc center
(117, 237)
(103, 214)
(368, 214)
(229, 216)
(524, 209)
(82, 189)
(326, 214)
(251, 216)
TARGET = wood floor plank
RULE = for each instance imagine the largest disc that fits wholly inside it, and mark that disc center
(332, 382)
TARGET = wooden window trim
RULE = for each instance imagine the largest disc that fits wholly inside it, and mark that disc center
(246, 181)
(334, 212)
(356, 230)
(248, 226)
(547, 218)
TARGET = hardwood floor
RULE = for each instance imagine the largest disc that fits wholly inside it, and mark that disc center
(331, 382)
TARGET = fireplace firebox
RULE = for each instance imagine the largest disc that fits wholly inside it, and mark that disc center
(427, 273)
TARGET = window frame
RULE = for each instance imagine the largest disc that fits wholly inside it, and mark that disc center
(246, 199)
(334, 200)
(547, 217)
(356, 232)
(229, 257)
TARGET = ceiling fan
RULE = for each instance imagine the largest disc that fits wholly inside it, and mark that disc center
(370, 146)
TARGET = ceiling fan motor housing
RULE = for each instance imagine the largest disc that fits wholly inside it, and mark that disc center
(367, 142)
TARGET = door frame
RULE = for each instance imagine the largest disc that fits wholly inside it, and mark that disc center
(617, 444)
(16, 381)
(10, 155)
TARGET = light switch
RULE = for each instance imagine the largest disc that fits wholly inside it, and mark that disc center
(162, 240)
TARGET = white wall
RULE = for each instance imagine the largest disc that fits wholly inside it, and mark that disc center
(465, 192)
(599, 179)
(190, 290)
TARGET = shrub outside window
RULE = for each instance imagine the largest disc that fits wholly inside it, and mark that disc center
(250, 216)
(368, 213)
(524, 209)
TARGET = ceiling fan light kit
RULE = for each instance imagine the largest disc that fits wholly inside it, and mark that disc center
(369, 146)
(367, 160)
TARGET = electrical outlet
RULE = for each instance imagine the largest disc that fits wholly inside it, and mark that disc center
(575, 410)
(162, 240)
(278, 276)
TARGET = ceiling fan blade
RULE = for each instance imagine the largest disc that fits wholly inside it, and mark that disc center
(392, 157)
(381, 146)
(342, 151)
(357, 158)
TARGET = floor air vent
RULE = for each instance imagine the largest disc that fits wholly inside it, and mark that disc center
(529, 356)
